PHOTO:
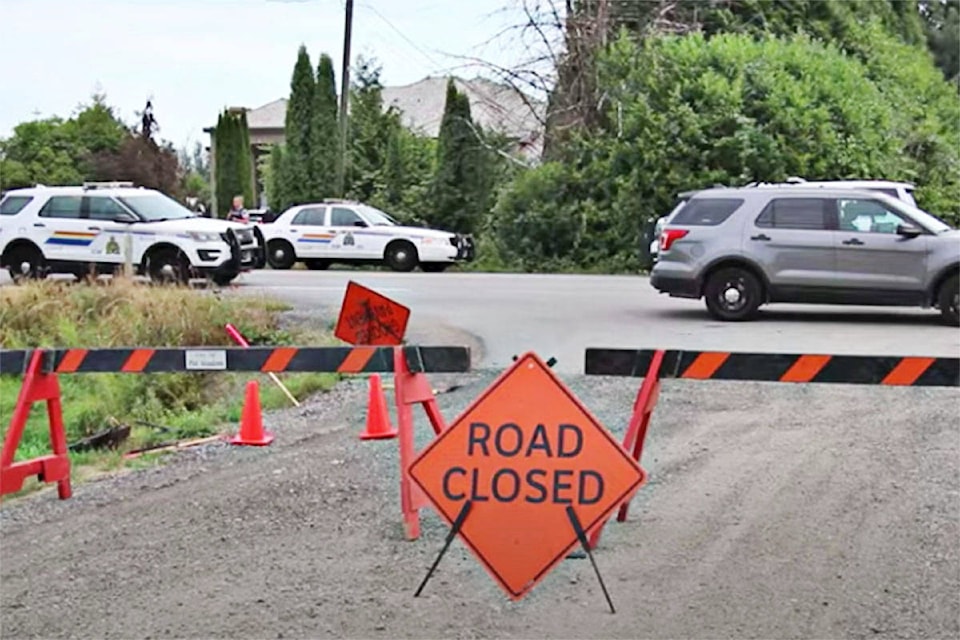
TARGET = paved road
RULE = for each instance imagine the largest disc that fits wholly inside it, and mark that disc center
(560, 315)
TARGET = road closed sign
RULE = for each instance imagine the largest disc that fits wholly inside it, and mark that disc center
(522, 454)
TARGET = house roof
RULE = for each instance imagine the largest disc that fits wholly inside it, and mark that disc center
(494, 106)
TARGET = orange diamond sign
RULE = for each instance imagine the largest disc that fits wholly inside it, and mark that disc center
(522, 453)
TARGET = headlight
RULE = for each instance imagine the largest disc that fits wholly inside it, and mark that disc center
(201, 236)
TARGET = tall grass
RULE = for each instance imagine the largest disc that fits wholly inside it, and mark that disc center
(123, 313)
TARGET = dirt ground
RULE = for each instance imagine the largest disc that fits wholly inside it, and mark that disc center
(772, 511)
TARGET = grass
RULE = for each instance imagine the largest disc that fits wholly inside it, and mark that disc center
(158, 407)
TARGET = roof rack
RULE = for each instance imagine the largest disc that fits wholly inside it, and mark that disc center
(107, 185)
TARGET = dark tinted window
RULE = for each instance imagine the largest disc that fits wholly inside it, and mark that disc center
(11, 205)
(343, 217)
(312, 217)
(104, 208)
(795, 213)
(61, 207)
(705, 212)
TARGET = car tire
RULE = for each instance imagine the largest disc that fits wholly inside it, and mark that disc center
(434, 267)
(280, 254)
(25, 263)
(948, 299)
(401, 256)
(733, 294)
(317, 265)
(168, 266)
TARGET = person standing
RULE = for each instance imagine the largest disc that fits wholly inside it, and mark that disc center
(237, 213)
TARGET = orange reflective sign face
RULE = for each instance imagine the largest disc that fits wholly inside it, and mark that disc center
(368, 318)
(521, 453)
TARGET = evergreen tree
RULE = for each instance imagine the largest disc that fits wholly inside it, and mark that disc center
(245, 162)
(296, 178)
(276, 199)
(942, 19)
(233, 161)
(460, 191)
(324, 145)
(370, 131)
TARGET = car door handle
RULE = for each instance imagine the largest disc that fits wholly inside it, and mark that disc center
(93, 228)
(762, 236)
(39, 224)
(853, 241)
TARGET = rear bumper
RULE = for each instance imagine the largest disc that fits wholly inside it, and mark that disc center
(675, 287)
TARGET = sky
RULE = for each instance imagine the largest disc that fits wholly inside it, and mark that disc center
(192, 58)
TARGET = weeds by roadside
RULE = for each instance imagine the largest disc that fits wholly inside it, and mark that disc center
(158, 407)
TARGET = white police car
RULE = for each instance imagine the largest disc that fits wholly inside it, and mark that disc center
(348, 232)
(82, 229)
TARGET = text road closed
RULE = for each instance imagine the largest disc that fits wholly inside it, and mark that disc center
(523, 452)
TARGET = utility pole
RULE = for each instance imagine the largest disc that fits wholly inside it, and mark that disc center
(344, 98)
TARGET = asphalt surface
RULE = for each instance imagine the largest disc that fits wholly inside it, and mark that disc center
(561, 315)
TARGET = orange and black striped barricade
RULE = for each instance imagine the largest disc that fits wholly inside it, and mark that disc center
(655, 364)
(40, 369)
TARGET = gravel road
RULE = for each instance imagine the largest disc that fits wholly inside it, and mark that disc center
(772, 511)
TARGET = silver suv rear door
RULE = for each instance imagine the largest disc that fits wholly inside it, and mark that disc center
(793, 240)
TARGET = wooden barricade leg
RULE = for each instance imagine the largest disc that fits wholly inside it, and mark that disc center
(636, 434)
(37, 385)
(410, 389)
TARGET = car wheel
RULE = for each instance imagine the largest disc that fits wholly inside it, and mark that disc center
(25, 263)
(168, 266)
(434, 267)
(317, 265)
(280, 254)
(401, 256)
(948, 299)
(733, 294)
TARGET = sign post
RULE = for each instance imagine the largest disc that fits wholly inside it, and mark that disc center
(524, 475)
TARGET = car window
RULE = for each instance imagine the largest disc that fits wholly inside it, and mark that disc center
(104, 208)
(314, 217)
(794, 213)
(706, 211)
(867, 216)
(11, 205)
(62, 207)
(344, 217)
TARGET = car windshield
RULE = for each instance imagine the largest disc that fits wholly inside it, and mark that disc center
(378, 218)
(157, 207)
(925, 219)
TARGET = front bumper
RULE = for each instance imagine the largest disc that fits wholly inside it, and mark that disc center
(466, 247)
(245, 253)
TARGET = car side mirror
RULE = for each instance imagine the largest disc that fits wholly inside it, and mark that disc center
(359, 223)
(908, 230)
(123, 217)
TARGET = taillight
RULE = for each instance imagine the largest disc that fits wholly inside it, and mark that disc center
(669, 236)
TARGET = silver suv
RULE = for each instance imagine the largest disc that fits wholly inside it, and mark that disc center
(740, 248)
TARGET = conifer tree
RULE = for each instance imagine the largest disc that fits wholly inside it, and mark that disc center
(324, 144)
(296, 175)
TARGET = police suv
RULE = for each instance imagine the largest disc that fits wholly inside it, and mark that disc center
(90, 229)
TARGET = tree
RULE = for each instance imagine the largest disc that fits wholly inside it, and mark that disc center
(325, 145)
(686, 112)
(460, 191)
(234, 160)
(942, 24)
(370, 132)
(276, 199)
(296, 175)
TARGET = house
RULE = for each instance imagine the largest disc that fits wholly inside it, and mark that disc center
(494, 106)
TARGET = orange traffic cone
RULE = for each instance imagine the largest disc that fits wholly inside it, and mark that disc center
(378, 419)
(251, 422)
